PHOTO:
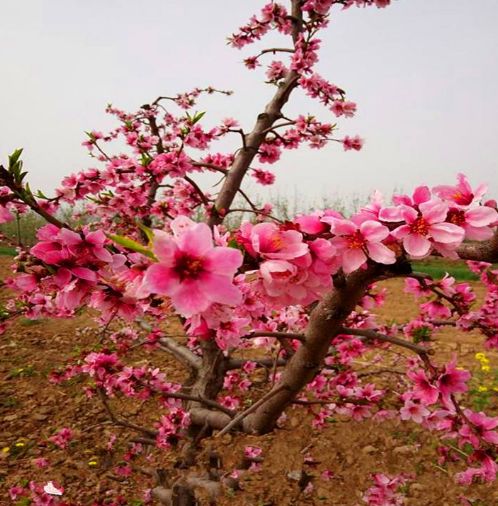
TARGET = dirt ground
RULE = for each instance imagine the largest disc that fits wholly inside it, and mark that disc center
(32, 409)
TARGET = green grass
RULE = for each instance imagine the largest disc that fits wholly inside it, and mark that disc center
(7, 250)
(437, 268)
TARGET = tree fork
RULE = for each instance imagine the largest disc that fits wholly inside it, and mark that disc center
(326, 321)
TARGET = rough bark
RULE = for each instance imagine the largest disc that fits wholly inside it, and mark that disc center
(486, 251)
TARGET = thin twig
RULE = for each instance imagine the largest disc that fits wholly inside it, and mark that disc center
(119, 421)
(276, 335)
(373, 335)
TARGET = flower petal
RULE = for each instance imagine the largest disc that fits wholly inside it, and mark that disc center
(373, 231)
(352, 259)
(416, 245)
(223, 260)
(481, 216)
(164, 247)
(447, 232)
(161, 279)
(381, 253)
(189, 299)
(218, 288)
(197, 240)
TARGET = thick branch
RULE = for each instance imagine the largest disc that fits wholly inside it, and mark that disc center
(486, 251)
(180, 352)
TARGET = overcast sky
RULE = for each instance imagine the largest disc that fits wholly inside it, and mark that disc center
(424, 74)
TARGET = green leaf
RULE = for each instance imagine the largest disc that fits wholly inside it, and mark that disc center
(14, 158)
(128, 243)
(147, 231)
(145, 159)
(197, 117)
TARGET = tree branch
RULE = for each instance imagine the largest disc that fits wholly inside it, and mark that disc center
(182, 353)
(373, 335)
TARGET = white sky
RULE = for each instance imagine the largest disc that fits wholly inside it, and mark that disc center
(423, 72)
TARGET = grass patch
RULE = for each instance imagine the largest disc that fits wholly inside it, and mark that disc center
(8, 251)
(437, 268)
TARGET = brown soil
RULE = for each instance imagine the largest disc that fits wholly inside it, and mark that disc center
(32, 409)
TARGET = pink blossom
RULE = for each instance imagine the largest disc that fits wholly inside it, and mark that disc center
(423, 389)
(62, 438)
(269, 153)
(481, 427)
(89, 246)
(263, 177)
(452, 380)
(486, 472)
(413, 411)
(16, 492)
(252, 452)
(343, 108)
(270, 242)
(50, 249)
(355, 143)
(385, 491)
(276, 71)
(476, 221)
(41, 462)
(426, 227)
(461, 194)
(5, 215)
(435, 309)
(357, 243)
(191, 271)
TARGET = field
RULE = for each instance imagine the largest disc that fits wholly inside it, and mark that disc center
(31, 409)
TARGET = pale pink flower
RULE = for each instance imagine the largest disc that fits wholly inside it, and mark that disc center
(357, 243)
(269, 242)
(413, 411)
(51, 489)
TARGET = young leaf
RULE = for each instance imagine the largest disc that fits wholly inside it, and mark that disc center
(132, 245)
